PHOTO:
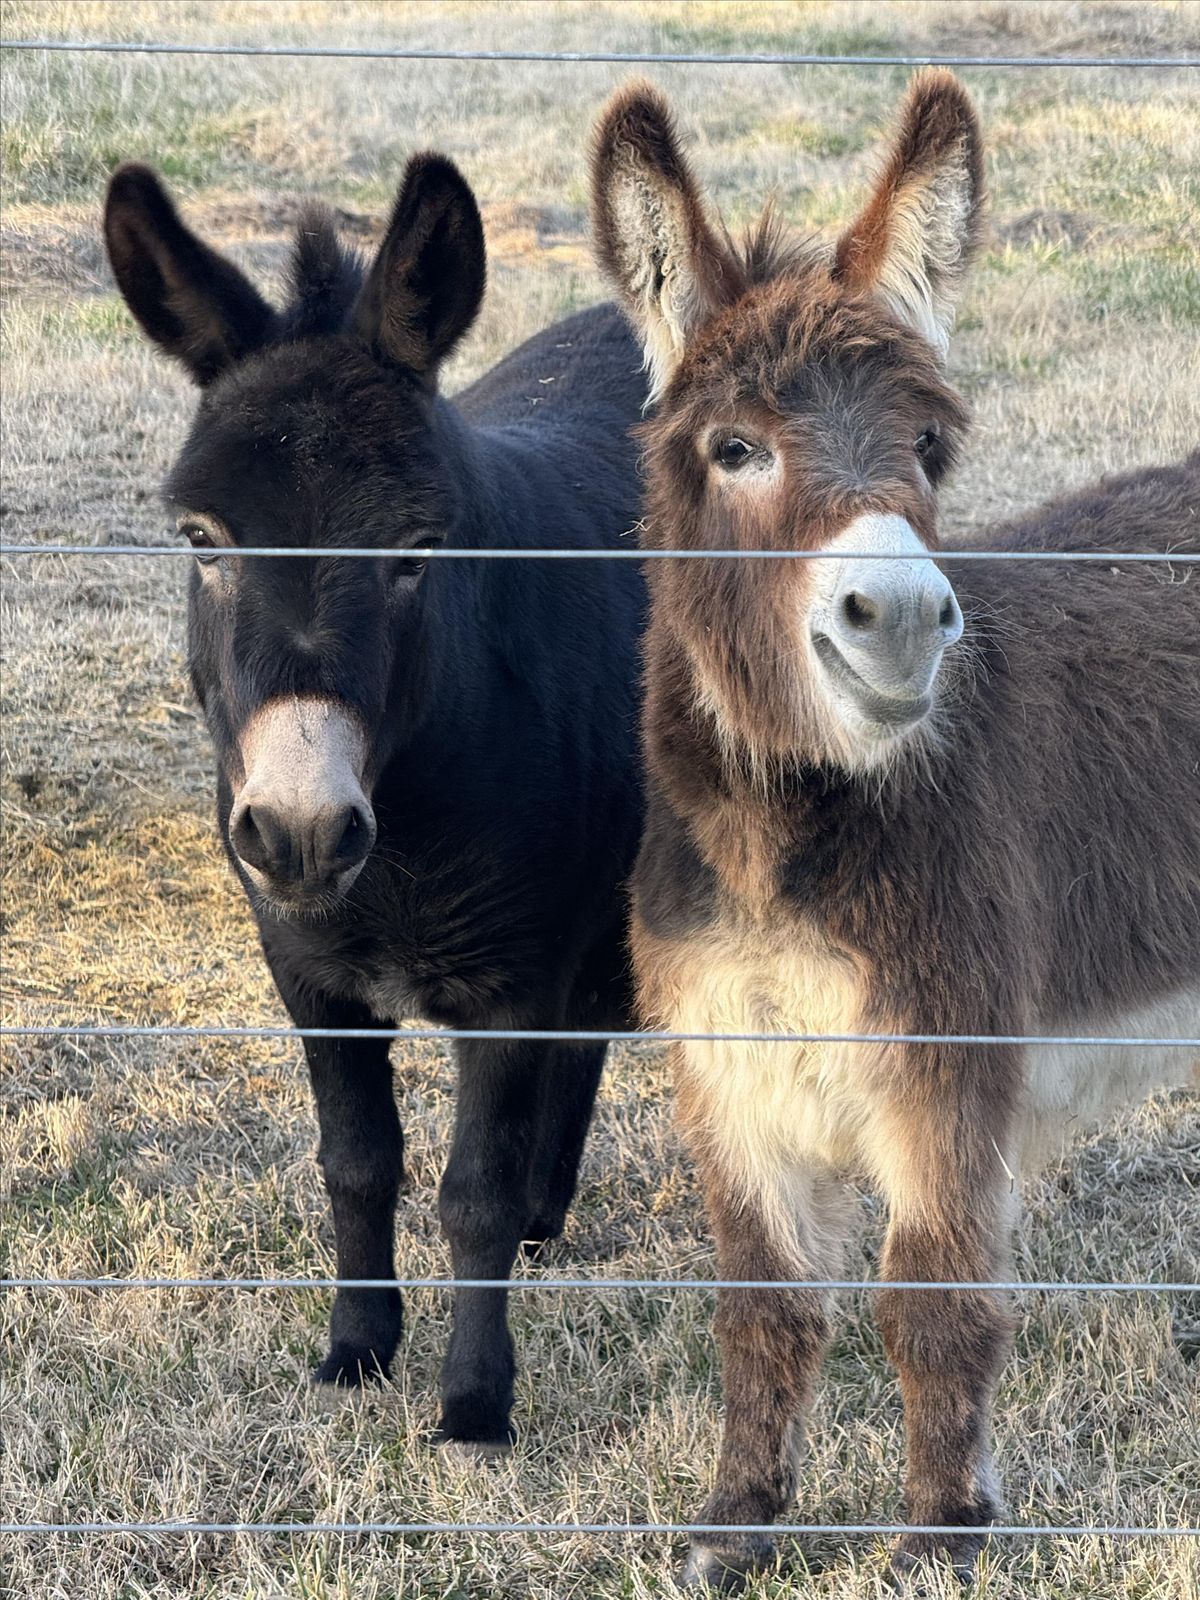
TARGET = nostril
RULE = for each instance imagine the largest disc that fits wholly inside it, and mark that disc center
(244, 833)
(946, 614)
(255, 836)
(355, 839)
(858, 611)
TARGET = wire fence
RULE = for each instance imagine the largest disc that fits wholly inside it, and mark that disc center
(506, 553)
(147, 1528)
(629, 58)
(645, 1285)
(123, 1030)
(853, 1529)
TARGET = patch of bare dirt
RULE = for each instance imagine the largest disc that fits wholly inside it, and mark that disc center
(517, 231)
(52, 253)
(255, 216)
(1115, 28)
(1053, 226)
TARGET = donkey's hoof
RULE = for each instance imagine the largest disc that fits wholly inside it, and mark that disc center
(348, 1367)
(474, 1452)
(478, 1423)
(725, 1570)
(917, 1557)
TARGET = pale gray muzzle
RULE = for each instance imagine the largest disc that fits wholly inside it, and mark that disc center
(301, 823)
(879, 627)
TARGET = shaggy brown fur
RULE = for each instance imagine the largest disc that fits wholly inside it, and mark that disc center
(1026, 861)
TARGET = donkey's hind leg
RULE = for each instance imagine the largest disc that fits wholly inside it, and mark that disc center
(772, 1342)
(570, 1078)
(600, 998)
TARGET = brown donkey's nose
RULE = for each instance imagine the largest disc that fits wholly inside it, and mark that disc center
(302, 851)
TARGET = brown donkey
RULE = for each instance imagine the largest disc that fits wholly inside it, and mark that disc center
(879, 803)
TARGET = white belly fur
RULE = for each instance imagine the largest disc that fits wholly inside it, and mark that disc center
(784, 1119)
(1070, 1089)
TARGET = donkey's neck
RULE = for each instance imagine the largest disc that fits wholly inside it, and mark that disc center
(754, 816)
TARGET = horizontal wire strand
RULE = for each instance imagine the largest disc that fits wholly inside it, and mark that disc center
(122, 1030)
(858, 1529)
(605, 1284)
(441, 553)
(580, 57)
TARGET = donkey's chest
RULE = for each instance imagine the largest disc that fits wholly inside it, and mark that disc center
(764, 1099)
(456, 953)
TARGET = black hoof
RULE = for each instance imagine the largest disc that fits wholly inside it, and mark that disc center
(475, 1429)
(725, 1569)
(473, 1452)
(351, 1368)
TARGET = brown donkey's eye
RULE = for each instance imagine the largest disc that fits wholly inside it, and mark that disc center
(733, 452)
(926, 441)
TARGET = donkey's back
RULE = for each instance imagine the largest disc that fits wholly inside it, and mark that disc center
(576, 382)
(1093, 669)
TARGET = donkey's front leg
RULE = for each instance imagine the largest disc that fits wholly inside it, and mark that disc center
(949, 1192)
(484, 1206)
(772, 1342)
(361, 1155)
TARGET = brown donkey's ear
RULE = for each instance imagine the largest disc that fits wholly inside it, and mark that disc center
(426, 284)
(671, 268)
(913, 242)
(191, 301)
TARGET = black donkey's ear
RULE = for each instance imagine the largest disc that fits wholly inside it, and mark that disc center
(425, 286)
(191, 301)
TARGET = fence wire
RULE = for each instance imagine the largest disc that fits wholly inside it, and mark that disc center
(855, 1529)
(502, 553)
(649, 58)
(1012, 1285)
(123, 1030)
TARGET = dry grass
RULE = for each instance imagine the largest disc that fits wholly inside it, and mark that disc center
(1079, 350)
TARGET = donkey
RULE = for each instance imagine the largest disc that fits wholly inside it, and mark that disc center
(427, 772)
(877, 803)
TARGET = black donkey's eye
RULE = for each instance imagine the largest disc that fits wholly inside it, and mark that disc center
(201, 541)
(410, 564)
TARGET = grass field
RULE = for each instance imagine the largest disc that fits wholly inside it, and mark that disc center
(1079, 348)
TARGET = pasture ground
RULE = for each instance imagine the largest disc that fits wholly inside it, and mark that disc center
(1079, 349)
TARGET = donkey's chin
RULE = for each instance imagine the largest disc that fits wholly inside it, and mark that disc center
(308, 903)
(873, 726)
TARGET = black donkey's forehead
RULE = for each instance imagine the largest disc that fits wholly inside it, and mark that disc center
(306, 449)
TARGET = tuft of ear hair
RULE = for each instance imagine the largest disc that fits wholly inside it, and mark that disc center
(916, 237)
(670, 267)
(426, 285)
(191, 301)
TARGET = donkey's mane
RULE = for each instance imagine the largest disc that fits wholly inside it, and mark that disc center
(324, 277)
(768, 249)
